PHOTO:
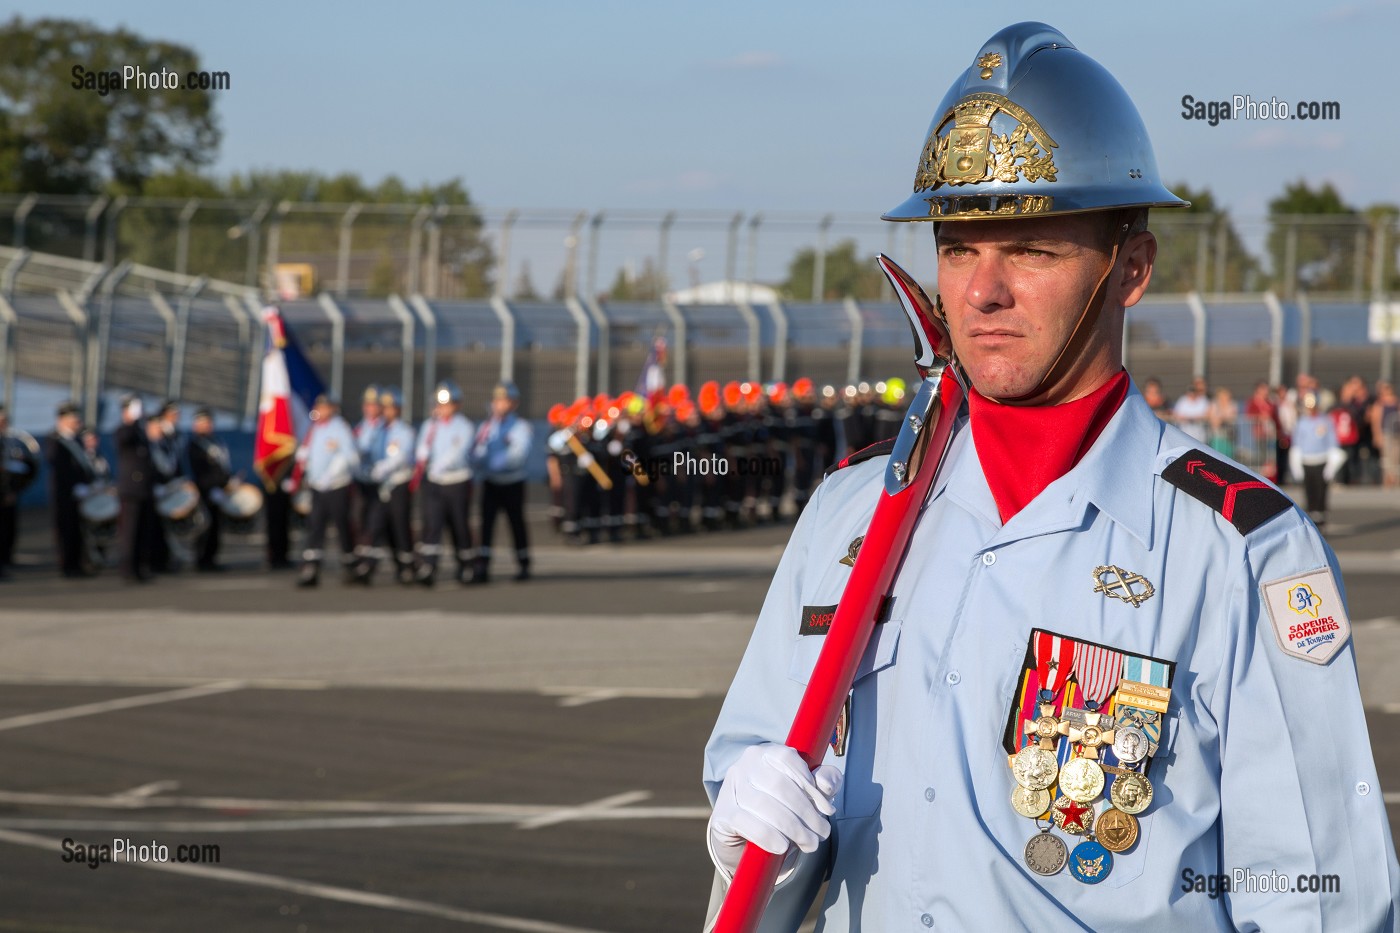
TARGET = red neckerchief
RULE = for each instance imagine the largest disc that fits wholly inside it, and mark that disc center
(1024, 448)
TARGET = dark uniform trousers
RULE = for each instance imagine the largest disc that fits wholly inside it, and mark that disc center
(331, 507)
(389, 528)
(508, 498)
(278, 507)
(446, 506)
(9, 525)
(138, 531)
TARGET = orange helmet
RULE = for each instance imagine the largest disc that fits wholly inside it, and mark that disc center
(709, 397)
(677, 394)
(777, 393)
(802, 387)
(556, 415)
(732, 394)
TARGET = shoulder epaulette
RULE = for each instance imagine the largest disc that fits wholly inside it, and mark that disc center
(1242, 500)
(877, 449)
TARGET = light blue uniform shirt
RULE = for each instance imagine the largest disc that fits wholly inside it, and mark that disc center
(445, 446)
(1264, 762)
(329, 458)
(393, 463)
(502, 446)
(369, 436)
(1315, 436)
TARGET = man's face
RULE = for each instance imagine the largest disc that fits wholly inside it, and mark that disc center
(500, 407)
(391, 412)
(203, 426)
(69, 424)
(1013, 290)
(370, 410)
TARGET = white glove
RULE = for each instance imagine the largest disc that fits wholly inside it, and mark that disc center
(81, 490)
(1336, 459)
(769, 798)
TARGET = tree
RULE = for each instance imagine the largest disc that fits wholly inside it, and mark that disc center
(1315, 256)
(58, 139)
(630, 285)
(1188, 245)
(524, 287)
(846, 275)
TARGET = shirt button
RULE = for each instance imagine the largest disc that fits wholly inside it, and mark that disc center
(928, 793)
(926, 920)
(1363, 788)
(989, 558)
(954, 678)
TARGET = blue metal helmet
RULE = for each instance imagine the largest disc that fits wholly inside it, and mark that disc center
(1033, 127)
(448, 391)
(390, 395)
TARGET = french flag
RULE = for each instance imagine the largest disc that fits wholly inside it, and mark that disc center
(289, 389)
(653, 375)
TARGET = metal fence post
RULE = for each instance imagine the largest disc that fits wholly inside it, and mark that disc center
(678, 353)
(77, 363)
(503, 258)
(581, 347)
(853, 366)
(1290, 260)
(21, 218)
(97, 363)
(415, 262)
(600, 318)
(1275, 338)
(167, 315)
(435, 250)
(114, 218)
(182, 236)
(253, 325)
(663, 245)
(731, 256)
(429, 318)
(342, 262)
(337, 319)
(750, 317)
(9, 343)
(1305, 335)
(595, 230)
(507, 319)
(174, 384)
(406, 345)
(819, 267)
(1358, 267)
(1202, 255)
(754, 222)
(1222, 250)
(1198, 345)
(253, 227)
(780, 341)
(90, 219)
(274, 247)
(571, 256)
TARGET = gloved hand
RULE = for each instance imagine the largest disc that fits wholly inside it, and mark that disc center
(769, 798)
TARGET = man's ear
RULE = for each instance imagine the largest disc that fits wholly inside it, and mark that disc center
(1135, 262)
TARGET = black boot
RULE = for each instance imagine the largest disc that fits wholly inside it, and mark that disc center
(310, 575)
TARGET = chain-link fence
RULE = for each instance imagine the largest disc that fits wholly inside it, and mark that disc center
(161, 296)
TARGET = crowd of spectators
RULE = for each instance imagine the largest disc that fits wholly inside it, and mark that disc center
(1263, 432)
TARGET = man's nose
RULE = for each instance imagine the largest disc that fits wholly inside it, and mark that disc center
(987, 288)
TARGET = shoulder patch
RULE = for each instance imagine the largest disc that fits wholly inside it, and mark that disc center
(878, 449)
(1242, 500)
(1309, 618)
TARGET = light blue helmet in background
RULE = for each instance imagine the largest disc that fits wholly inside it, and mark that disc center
(390, 395)
(1033, 127)
(448, 392)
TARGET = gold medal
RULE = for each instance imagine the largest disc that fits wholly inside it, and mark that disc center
(1081, 779)
(1034, 768)
(1131, 792)
(1031, 804)
(1072, 816)
(1116, 829)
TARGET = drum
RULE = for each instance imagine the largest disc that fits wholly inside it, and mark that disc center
(178, 501)
(240, 501)
(100, 507)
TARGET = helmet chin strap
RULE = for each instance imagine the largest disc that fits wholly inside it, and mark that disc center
(1083, 328)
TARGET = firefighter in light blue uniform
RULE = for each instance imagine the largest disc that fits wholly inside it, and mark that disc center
(369, 434)
(501, 451)
(388, 527)
(444, 462)
(1263, 772)
(327, 463)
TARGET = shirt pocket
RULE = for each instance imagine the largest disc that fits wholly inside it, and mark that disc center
(861, 791)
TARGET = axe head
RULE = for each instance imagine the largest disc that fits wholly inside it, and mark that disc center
(933, 349)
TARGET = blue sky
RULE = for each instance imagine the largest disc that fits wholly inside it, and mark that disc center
(779, 106)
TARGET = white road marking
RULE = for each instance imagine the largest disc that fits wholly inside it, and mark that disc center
(581, 696)
(107, 706)
(326, 891)
(583, 811)
(148, 790)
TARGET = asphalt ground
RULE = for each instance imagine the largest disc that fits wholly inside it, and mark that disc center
(510, 757)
